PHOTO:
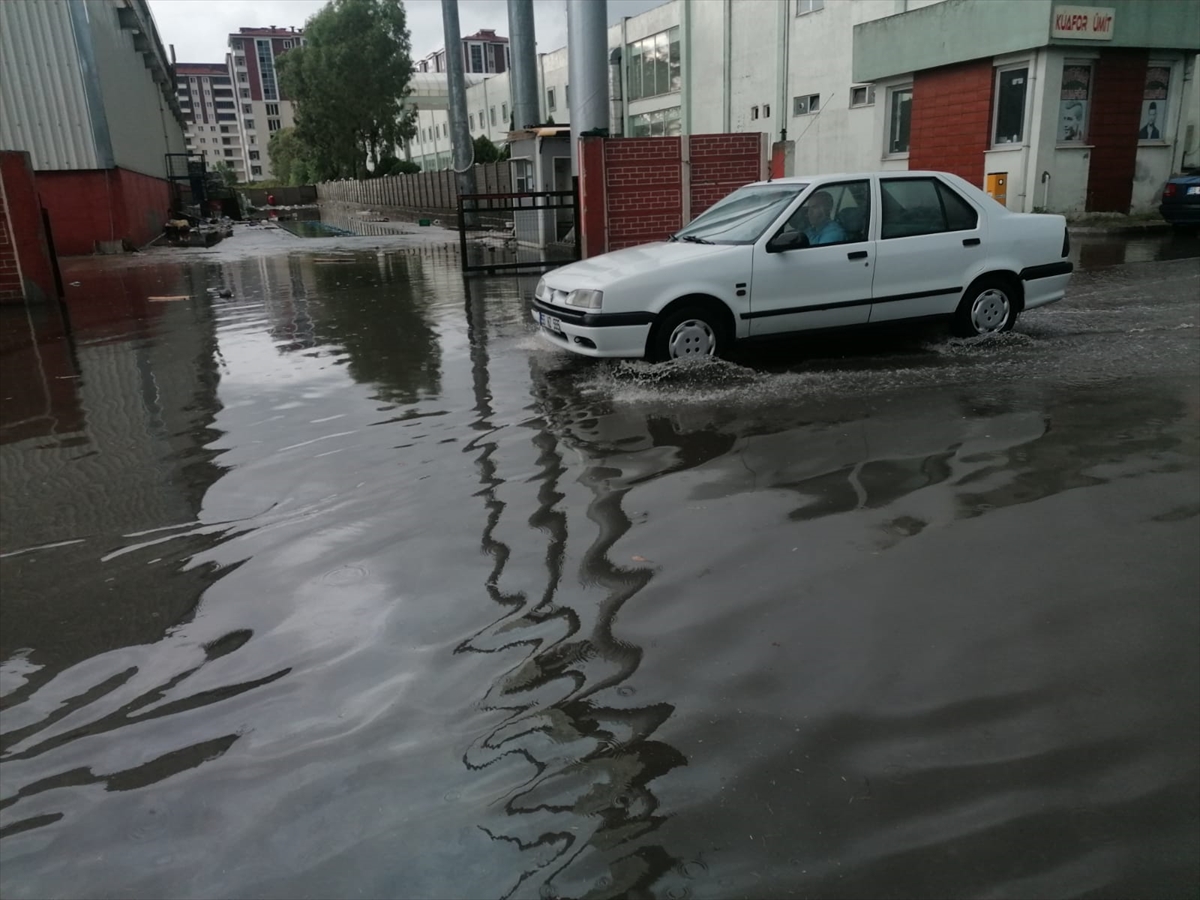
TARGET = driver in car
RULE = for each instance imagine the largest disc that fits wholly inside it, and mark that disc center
(822, 228)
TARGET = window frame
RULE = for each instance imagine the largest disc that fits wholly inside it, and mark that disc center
(889, 117)
(813, 6)
(1084, 139)
(1000, 71)
(1163, 108)
(645, 51)
(869, 88)
(808, 105)
(816, 189)
(550, 104)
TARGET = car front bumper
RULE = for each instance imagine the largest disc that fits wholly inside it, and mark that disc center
(608, 335)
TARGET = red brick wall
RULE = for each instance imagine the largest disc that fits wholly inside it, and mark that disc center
(721, 163)
(1116, 110)
(644, 189)
(26, 270)
(103, 205)
(951, 119)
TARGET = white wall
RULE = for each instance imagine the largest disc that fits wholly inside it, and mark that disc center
(1156, 162)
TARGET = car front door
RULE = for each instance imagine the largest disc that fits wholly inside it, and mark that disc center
(825, 283)
(930, 240)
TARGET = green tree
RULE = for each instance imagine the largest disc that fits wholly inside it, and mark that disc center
(486, 151)
(291, 161)
(349, 82)
(225, 173)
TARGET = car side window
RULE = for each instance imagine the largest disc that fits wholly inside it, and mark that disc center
(834, 214)
(960, 215)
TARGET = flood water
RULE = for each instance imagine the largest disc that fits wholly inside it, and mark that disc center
(347, 586)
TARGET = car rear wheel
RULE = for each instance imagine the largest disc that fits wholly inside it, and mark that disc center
(988, 307)
(692, 332)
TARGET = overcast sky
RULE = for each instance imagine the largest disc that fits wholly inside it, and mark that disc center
(198, 28)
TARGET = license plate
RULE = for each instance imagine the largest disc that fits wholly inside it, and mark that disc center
(1194, 189)
(550, 323)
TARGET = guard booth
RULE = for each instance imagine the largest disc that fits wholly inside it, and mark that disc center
(534, 226)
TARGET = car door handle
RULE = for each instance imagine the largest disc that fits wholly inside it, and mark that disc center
(857, 254)
(970, 242)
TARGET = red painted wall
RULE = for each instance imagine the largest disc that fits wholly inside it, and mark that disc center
(1116, 110)
(952, 119)
(644, 189)
(103, 205)
(721, 163)
(26, 270)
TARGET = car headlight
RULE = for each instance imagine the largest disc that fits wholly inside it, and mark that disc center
(540, 290)
(585, 299)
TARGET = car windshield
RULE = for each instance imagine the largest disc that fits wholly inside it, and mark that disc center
(743, 216)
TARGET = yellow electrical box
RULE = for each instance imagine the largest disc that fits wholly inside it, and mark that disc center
(997, 187)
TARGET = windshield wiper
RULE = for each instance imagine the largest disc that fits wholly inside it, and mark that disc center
(692, 239)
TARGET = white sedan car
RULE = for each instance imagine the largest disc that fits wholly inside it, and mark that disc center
(801, 254)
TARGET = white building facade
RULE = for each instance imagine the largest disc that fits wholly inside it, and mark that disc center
(984, 88)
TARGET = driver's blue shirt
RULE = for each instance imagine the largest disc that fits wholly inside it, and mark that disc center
(829, 233)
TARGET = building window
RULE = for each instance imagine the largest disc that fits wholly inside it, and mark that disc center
(522, 175)
(445, 129)
(243, 78)
(899, 119)
(476, 58)
(549, 100)
(252, 139)
(806, 105)
(472, 121)
(272, 109)
(235, 44)
(862, 95)
(272, 124)
(224, 129)
(492, 115)
(503, 113)
(1154, 102)
(1073, 101)
(754, 112)
(229, 152)
(256, 170)
(663, 123)
(804, 7)
(766, 111)
(653, 65)
(204, 140)
(248, 124)
(192, 79)
(287, 45)
(240, 62)
(266, 70)
(245, 93)
(253, 155)
(247, 108)
(1010, 105)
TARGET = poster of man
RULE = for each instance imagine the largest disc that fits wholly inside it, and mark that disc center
(1072, 103)
(1154, 103)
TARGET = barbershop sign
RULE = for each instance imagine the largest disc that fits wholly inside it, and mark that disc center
(1082, 23)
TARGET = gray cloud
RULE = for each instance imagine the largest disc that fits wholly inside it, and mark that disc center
(198, 28)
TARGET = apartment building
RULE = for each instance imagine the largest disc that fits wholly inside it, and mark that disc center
(261, 105)
(206, 96)
(484, 53)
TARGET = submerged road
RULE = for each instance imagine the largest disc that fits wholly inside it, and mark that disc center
(346, 586)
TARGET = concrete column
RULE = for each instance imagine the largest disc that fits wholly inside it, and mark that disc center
(460, 132)
(522, 80)
(587, 49)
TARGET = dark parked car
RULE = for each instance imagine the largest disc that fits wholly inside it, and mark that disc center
(1181, 199)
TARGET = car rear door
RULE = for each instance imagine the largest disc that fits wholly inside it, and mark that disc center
(823, 286)
(931, 240)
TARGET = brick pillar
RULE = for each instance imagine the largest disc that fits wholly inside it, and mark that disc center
(26, 269)
(1113, 130)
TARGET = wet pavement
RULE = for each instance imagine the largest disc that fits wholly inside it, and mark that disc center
(347, 586)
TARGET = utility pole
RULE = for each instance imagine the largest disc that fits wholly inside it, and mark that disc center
(456, 81)
(523, 77)
(587, 49)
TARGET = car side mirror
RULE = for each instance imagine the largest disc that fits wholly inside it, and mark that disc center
(787, 240)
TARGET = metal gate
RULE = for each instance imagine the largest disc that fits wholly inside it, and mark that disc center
(526, 230)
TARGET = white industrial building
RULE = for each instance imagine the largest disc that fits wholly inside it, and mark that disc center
(1034, 99)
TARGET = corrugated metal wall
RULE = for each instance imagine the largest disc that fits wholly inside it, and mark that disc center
(43, 100)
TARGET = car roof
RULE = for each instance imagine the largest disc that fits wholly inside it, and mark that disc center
(845, 176)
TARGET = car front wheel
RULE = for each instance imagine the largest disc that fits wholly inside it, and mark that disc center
(988, 307)
(689, 333)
